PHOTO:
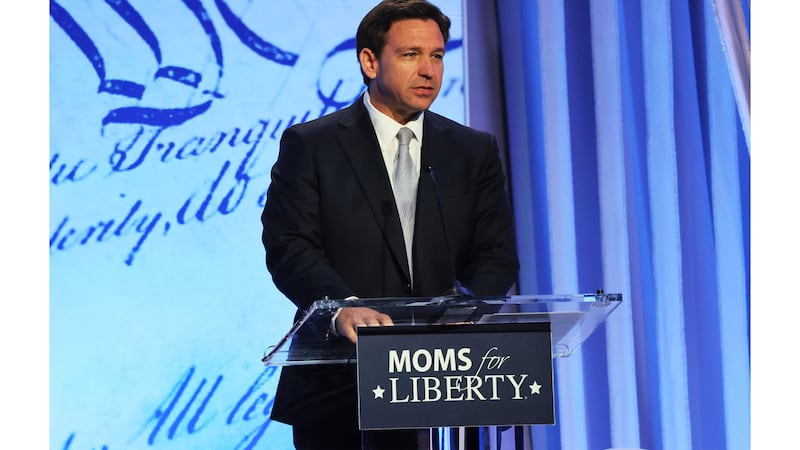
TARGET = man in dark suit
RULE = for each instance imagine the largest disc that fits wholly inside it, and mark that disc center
(335, 213)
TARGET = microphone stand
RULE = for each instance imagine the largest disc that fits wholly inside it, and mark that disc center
(456, 289)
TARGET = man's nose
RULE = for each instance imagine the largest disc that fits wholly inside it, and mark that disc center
(426, 69)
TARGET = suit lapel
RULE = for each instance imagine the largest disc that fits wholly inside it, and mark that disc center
(360, 145)
(435, 147)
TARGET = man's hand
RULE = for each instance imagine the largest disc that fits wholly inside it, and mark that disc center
(358, 316)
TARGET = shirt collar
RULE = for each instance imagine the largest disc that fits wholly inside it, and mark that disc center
(386, 128)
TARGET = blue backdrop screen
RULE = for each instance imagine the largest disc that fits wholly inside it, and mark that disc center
(165, 117)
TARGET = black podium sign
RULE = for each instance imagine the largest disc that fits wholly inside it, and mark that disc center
(455, 375)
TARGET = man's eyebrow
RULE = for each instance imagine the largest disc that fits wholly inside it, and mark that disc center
(419, 49)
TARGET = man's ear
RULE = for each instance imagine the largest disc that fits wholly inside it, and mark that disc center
(369, 63)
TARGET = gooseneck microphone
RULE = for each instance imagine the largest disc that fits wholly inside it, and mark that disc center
(456, 289)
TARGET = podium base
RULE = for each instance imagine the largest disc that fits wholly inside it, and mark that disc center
(408, 439)
(457, 438)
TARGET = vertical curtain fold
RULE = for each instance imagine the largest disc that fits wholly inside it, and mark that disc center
(607, 76)
(662, 188)
(559, 195)
(729, 259)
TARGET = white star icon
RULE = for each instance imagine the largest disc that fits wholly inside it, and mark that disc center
(378, 391)
(535, 388)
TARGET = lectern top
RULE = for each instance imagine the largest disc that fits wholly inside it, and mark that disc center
(572, 319)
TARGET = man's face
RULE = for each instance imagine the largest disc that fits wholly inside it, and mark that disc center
(408, 75)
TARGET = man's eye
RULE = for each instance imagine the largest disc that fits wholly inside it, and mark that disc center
(439, 56)
(410, 54)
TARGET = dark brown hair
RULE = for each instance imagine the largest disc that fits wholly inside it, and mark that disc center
(372, 30)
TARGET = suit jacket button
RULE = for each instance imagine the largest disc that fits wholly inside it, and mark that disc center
(407, 289)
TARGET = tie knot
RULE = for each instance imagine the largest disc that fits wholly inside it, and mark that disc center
(404, 136)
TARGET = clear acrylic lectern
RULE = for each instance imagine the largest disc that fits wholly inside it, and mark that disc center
(572, 319)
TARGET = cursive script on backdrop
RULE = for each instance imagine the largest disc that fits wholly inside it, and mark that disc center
(238, 181)
(193, 404)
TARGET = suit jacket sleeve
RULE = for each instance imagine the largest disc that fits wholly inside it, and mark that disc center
(292, 235)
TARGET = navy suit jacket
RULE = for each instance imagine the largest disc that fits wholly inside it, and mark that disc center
(331, 228)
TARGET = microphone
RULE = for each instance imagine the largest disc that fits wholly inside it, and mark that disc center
(456, 289)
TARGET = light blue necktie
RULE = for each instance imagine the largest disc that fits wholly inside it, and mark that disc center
(405, 179)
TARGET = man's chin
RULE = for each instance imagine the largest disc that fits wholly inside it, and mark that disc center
(422, 104)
